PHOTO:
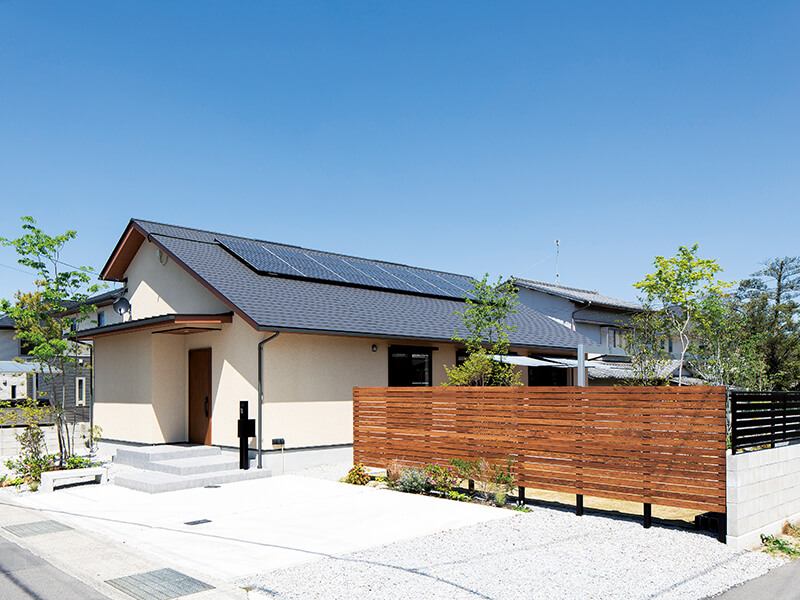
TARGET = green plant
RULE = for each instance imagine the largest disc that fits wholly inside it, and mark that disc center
(453, 495)
(79, 462)
(775, 545)
(441, 478)
(31, 468)
(16, 481)
(465, 469)
(357, 475)
(790, 529)
(413, 481)
(3, 480)
(92, 436)
(33, 485)
(521, 508)
(500, 499)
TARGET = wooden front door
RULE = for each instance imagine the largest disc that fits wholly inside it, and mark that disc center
(200, 396)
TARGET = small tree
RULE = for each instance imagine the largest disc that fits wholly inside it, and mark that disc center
(677, 289)
(39, 317)
(644, 343)
(486, 333)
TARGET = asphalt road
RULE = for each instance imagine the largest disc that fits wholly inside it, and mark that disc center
(24, 576)
(782, 583)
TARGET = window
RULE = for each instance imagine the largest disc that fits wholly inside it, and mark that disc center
(80, 391)
(101, 318)
(461, 357)
(13, 392)
(25, 348)
(410, 366)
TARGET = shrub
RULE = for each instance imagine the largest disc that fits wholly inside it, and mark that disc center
(78, 462)
(453, 495)
(31, 468)
(394, 471)
(357, 476)
(490, 478)
(413, 481)
(441, 478)
(500, 499)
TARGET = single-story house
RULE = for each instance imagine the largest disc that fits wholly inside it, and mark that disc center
(203, 307)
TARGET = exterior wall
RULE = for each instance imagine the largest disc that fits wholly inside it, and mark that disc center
(17, 381)
(123, 404)
(763, 491)
(9, 345)
(155, 289)
(559, 309)
(10, 447)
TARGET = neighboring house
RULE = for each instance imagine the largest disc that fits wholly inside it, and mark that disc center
(600, 318)
(20, 379)
(204, 305)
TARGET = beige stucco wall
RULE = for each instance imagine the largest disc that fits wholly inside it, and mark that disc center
(123, 403)
(156, 289)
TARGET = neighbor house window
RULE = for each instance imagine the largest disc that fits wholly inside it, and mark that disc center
(101, 318)
(80, 391)
(25, 348)
(410, 366)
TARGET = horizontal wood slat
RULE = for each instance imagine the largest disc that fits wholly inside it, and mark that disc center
(656, 445)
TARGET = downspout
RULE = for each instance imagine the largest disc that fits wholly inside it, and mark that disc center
(261, 390)
(588, 304)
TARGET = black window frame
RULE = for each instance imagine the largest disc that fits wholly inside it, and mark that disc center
(396, 379)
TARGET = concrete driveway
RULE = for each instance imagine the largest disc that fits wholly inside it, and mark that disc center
(256, 526)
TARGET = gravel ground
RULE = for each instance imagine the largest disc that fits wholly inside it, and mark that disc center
(547, 553)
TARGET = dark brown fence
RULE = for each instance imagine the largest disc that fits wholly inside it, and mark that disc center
(763, 419)
(660, 445)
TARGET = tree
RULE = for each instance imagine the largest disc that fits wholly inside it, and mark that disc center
(39, 317)
(768, 297)
(486, 333)
(676, 289)
(644, 342)
(727, 351)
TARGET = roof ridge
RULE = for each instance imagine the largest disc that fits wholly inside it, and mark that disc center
(239, 237)
(557, 285)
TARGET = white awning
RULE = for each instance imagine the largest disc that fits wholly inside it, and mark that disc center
(11, 366)
(524, 361)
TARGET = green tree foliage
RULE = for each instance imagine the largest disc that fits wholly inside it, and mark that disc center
(773, 319)
(40, 318)
(727, 350)
(644, 337)
(485, 333)
(677, 289)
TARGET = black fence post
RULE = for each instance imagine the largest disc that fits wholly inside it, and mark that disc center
(579, 505)
(521, 496)
(648, 517)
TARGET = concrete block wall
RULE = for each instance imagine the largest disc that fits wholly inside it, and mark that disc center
(9, 445)
(763, 492)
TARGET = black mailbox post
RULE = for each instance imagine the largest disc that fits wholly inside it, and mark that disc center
(247, 429)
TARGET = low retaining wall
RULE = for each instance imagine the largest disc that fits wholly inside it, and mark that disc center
(763, 492)
(9, 446)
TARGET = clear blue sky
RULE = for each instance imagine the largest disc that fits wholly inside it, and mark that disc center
(460, 136)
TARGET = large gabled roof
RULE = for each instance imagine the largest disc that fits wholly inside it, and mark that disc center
(576, 294)
(272, 301)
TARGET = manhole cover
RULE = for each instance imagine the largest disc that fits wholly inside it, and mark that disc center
(159, 585)
(36, 528)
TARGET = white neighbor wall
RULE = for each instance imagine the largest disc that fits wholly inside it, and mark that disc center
(763, 492)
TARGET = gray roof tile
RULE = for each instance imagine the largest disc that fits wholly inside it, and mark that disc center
(299, 304)
(576, 294)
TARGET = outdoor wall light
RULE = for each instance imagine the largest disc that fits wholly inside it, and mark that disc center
(374, 348)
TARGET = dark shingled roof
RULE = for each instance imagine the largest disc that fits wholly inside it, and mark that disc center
(7, 322)
(298, 304)
(576, 294)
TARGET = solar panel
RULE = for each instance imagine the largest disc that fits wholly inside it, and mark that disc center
(310, 264)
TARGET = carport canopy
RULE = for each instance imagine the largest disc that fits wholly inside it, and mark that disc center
(524, 361)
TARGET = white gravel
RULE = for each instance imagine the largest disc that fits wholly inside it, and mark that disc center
(548, 553)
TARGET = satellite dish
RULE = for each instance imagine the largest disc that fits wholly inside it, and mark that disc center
(122, 306)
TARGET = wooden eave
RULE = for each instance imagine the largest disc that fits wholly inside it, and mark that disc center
(172, 322)
(126, 248)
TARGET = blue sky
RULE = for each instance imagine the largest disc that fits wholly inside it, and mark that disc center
(461, 136)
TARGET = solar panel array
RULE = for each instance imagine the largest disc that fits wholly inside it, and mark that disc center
(310, 264)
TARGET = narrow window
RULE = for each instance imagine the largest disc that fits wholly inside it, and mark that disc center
(80, 391)
(101, 318)
(13, 392)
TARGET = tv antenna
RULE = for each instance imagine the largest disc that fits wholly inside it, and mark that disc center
(558, 243)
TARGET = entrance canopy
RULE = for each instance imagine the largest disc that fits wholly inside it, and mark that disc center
(524, 361)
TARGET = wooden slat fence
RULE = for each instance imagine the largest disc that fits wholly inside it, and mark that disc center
(659, 445)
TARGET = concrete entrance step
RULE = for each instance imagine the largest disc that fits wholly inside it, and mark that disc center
(154, 482)
(142, 457)
(196, 464)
